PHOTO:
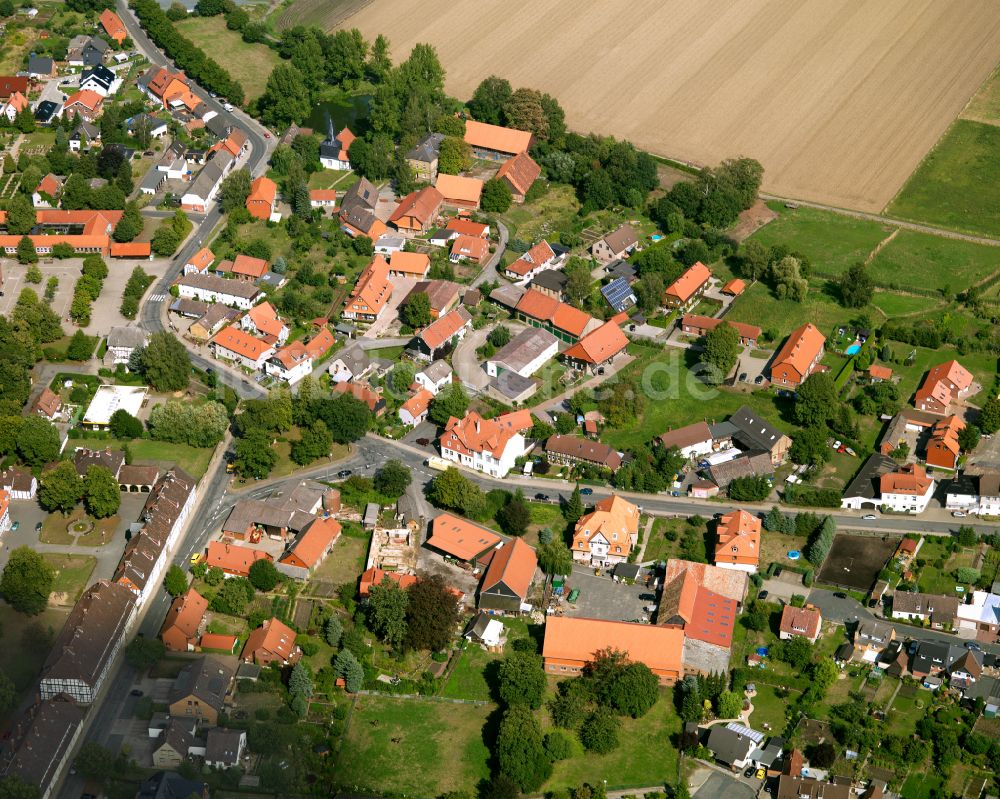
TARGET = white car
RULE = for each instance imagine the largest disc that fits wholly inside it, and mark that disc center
(228, 106)
(959, 514)
(869, 517)
(837, 444)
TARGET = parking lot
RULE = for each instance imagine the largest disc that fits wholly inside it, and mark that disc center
(603, 598)
(708, 783)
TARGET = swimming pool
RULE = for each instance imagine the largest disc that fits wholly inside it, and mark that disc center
(656, 237)
(853, 349)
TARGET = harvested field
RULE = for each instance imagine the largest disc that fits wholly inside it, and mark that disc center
(326, 14)
(839, 100)
(855, 560)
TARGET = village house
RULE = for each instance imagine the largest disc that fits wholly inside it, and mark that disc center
(233, 559)
(800, 623)
(435, 377)
(84, 136)
(323, 198)
(598, 348)
(570, 450)
(871, 639)
(684, 291)
(495, 143)
(572, 642)
(692, 440)
(981, 614)
(236, 345)
(461, 539)
(550, 283)
(261, 200)
(203, 188)
(357, 211)
(618, 244)
(945, 384)
(414, 410)
(798, 357)
(565, 322)
(182, 626)
(310, 548)
(248, 269)
(212, 321)
(702, 325)
(520, 174)
(459, 192)
(619, 295)
(423, 157)
(527, 352)
(469, 248)
(417, 211)
(606, 535)
(941, 611)
(362, 393)
(409, 264)
(296, 360)
(371, 292)
(122, 342)
(40, 66)
(40, 744)
(449, 328)
(262, 320)
(943, 449)
(737, 545)
(113, 26)
(224, 748)
(541, 256)
(100, 80)
(14, 105)
(86, 104)
(907, 489)
(484, 445)
(508, 578)
(19, 483)
(47, 405)
(86, 51)
(733, 744)
(442, 294)
(46, 193)
(200, 690)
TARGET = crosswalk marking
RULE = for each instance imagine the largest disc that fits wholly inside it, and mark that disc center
(157, 297)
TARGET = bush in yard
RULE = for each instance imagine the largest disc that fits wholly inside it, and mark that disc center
(729, 705)
(966, 574)
(496, 196)
(599, 732)
(81, 347)
(124, 425)
(557, 746)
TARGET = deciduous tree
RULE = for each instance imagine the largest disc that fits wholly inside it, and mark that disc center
(37, 441)
(520, 749)
(101, 495)
(521, 680)
(392, 478)
(27, 581)
(431, 614)
(60, 488)
(722, 349)
(263, 575)
(496, 197)
(490, 99)
(165, 362)
(175, 581)
(387, 611)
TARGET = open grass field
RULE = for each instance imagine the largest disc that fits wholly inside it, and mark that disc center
(832, 242)
(926, 261)
(414, 747)
(193, 460)
(769, 708)
(958, 185)
(985, 106)
(249, 64)
(839, 101)
(72, 576)
(902, 304)
(25, 641)
(759, 306)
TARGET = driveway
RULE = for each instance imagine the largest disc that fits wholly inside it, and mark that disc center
(465, 363)
(489, 273)
(603, 598)
(784, 587)
(710, 783)
(401, 286)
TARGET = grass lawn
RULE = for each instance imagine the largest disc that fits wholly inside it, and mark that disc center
(932, 262)
(658, 547)
(345, 563)
(556, 210)
(72, 575)
(332, 179)
(467, 679)
(758, 306)
(840, 469)
(543, 514)
(414, 747)
(921, 786)
(986, 103)
(958, 184)
(901, 304)
(249, 64)
(831, 241)
(769, 708)
(645, 757)
(193, 460)
(25, 642)
(56, 530)
(906, 711)
(286, 466)
(42, 138)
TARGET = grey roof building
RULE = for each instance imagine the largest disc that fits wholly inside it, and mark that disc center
(207, 678)
(426, 150)
(525, 353)
(170, 785)
(733, 746)
(40, 66)
(865, 485)
(41, 741)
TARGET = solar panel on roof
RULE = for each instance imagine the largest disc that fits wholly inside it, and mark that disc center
(619, 294)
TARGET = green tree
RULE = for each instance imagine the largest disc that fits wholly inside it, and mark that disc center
(347, 418)
(314, 442)
(989, 417)
(20, 215)
(393, 478)
(130, 224)
(490, 99)
(332, 631)
(431, 614)
(233, 596)
(520, 749)
(968, 438)
(815, 400)
(8, 693)
(555, 557)
(967, 536)
(454, 156)
(722, 349)
(346, 665)
(452, 490)
(824, 674)
(60, 488)
(578, 281)
(27, 581)
(33, 274)
(95, 762)
(81, 347)
(452, 401)
(143, 653)
(300, 682)
(573, 509)
(599, 733)
(521, 680)
(569, 708)
(286, 97)
(263, 575)
(499, 336)
(215, 576)
(165, 362)
(13, 787)
(37, 441)
(175, 580)
(810, 447)
(856, 286)
(515, 516)
(124, 425)
(416, 312)
(26, 251)
(496, 197)
(387, 611)
(627, 687)
(523, 110)
(235, 189)
(253, 455)
(101, 495)
(729, 705)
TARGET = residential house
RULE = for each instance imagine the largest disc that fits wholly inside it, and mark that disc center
(737, 537)
(261, 200)
(323, 198)
(362, 393)
(357, 211)
(19, 483)
(263, 320)
(200, 690)
(199, 263)
(11, 85)
(461, 539)
(908, 489)
(808, 788)
(571, 642)
(495, 143)
(233, 344)
(212, 321)
(417, 211)
(86, 105)
(619, 295)
(448, 329)
(310, 548)
(989, 494)
(423, 157)
(46, 111)
(962, 494)
(86, 51)
(388, 244)
(459, 192)
(47, 405)
(684, 291)
(409, 264)
(799, 356)
(941, 611)
(879, 374)
(692, 440)
(987, 689)
(469, 248)
(908, 420)
(618, 244)
(598, 348)
(272, 642)
(981, 614)
(84, 135)
(864, 491)
(541, 256)
(169, 785)
(247, 269)
(520, 174)
(702, 325)
(732, 744)
(607, 535)
(551, 283)
(181, 627)
(945, 384)
(40, 744)
(334, 150)
(166, 88)
(486, 631)
(442, 294)
(113, 26)
(371, 292)
(871, 639)
(175, 741)
(564, 449)
(351, 364)
(414, 410)
(122, 342)
(508, 578)
(435, 377)
(294, 361)
(83, 653)
(486, 445)
(467, 227)
(224, 748)
(40, 66)
(527, 352)
(933, 658)
(173, 163)
(14, 105)
(943, 449)
(803, 622)
(565, 322)
(46, 193)
(100, 80)
(734, 288)
(204, 187)
(109, 459)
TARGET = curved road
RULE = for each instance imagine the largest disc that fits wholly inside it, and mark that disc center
(489, 273)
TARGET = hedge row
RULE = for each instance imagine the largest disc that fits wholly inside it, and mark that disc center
(137, 284)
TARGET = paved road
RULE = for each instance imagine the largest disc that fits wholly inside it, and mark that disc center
(489, 273)
(846, 610)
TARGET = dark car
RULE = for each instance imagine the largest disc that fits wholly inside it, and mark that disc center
(344, 473)
(777, 572)
(840, 595)
(749, 772)
(762, 595)
(600, 370)
(758, 380)
(423, 442)
(647, 597)
(743, 377)
(586, 491)
(541, 497)
(135, 692)
(38, 527)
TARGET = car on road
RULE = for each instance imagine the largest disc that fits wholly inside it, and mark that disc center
(267, 135)
(762, 595)
(840, 595)
(135, 692)
(869, 517)
(228, 106)
(542, 497)
(423, 442)
(586, 491)
(761, 773)
(958, 514)
(195, 557)
(15, 525)
(973, 645)
(38, 527)
(749, 772)
(343, 473)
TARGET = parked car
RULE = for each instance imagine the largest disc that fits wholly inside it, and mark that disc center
(343, 473)
(749, 772)
(743, 377)
(15, 525)
(777, 572)
(135, 692)
(586, 491)
(38, 527)
(762, 595)
(958, 514)
(840, 595)
(228, 106)
(761, 773)
(758, 380)
(542, 497)
(869, 516)
(423, 442)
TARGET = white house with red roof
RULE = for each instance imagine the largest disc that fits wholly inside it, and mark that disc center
(486, 445)
(535, 260)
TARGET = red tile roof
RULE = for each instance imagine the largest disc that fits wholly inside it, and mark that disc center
(373, 288)
(468, 227)
(497, 138)
(598, 345)
(232, 558)
(735, 287)
(88, 98)
(249, 266)
(575, 641)
(441, 330)
(460, 538)
(131, 249)
(800, 621)
(514, 565)
(911, 479)
(411, 263)
(688, 284)
(539, 254)
(537, 305)
(374, 576)
(242, 343)
(113, 25)
(471, 247)
(273, 637)
(801, 349)
(473, 434)
(313, 544)
(422, 205)
(455, 188)
(520, 172)
(707, 323)
(738, 539)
